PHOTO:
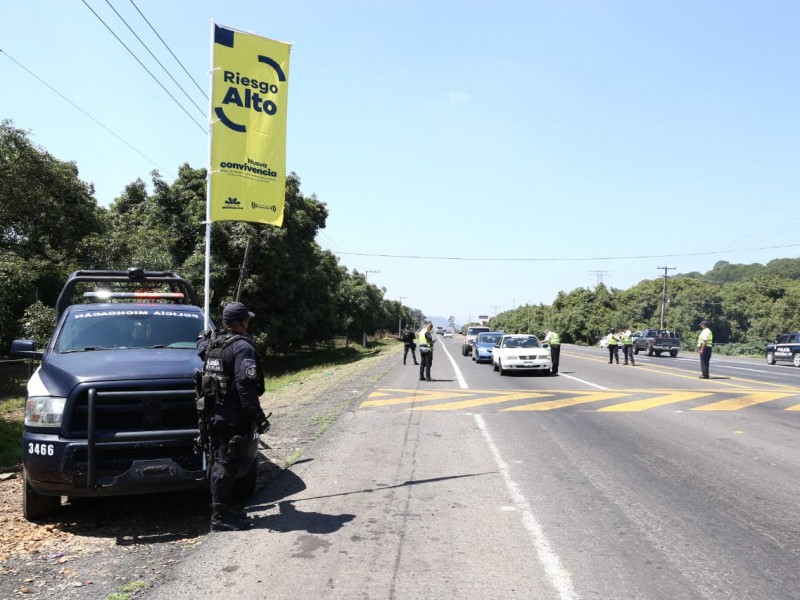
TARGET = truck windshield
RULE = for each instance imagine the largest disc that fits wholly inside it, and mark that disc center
(111, 329)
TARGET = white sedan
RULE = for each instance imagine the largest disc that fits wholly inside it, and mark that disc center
(520, 352)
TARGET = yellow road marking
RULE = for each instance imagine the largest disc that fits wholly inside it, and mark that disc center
(482, 401)
(665, 369)
(441, 400)
(744, 401)
(417, 396)
(637, 405)
(583, 398)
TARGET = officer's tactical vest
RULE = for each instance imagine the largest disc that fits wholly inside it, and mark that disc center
(216, 379)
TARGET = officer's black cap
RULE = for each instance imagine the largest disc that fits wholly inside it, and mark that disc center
(235, 312)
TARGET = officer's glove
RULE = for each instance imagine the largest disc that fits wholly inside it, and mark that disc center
(204, 335)
(262, 425)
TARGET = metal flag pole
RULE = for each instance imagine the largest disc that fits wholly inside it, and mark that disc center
(207, 285)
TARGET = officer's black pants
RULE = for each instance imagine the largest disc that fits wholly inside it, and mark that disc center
(425, 362)
(613, 353)
(705, 359)
(411, 347)
(555, 356)
(224, 467)
(627, 351)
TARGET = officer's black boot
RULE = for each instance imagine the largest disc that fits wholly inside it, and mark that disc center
(224, 520)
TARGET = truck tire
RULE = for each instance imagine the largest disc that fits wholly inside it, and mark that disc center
(37, 506)
(658, 352)
(770, 358)
(463, 350)
(649, 351)
(796, 359)
(636, 349)
(673, 353)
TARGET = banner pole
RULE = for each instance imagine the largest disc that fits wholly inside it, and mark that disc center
(207, 285)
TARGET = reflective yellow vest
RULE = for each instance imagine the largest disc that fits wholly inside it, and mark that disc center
(709, 339)
(612, 339)
(422, 341)
(553, 341)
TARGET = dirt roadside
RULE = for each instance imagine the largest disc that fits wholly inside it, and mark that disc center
(118, 546)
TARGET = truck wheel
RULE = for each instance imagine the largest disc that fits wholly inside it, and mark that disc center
(37, 506)
(796, 359)
(463, 350)
(244, 486)
(636, 350)
(649, 351)
(673, 353)
(771, 358)
(658, 352)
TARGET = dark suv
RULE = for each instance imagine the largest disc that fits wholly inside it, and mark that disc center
(112, 408)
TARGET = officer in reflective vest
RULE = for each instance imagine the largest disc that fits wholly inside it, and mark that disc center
(704, 343)
(551, 338)
(613, 347)
(425, 344)
(627, 347)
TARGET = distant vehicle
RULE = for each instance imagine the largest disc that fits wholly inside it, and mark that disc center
(603, 343)
(520, 352)
(472, 333)
(439, 330)
(448, 333)
(484, 345)
(785, 348)
(656, 341)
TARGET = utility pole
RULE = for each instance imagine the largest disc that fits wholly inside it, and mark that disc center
(367, 274)
(664, 294)
(400, 318)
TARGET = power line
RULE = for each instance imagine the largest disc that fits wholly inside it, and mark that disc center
(170, 51)
(180, 87)
(161, 85)
(560, 259)
(32, 74)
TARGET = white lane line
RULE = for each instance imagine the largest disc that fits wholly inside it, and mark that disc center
(583, 381)
(549, 560)
(462, 383)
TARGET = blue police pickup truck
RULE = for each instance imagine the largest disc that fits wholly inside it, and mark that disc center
(785, 348)
(112, 408)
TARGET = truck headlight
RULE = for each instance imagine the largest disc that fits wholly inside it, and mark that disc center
(44, 411)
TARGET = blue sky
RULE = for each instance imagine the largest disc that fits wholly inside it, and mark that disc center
(474, 156)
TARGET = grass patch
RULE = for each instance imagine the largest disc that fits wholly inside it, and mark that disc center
(278, 365)
(12, 405)
(128, 590)
(285, 370)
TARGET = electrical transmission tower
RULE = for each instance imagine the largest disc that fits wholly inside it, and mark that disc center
(599, 275)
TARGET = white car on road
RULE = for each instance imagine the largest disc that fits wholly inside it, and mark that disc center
(520, 352)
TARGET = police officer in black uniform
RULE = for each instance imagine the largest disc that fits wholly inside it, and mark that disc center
(234, 370)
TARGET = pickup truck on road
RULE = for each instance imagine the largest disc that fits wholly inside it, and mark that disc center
(656, 341)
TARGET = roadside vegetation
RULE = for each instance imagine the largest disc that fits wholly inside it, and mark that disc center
(746, 306)
(283, 371)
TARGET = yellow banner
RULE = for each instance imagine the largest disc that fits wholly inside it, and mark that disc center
(248, 131)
